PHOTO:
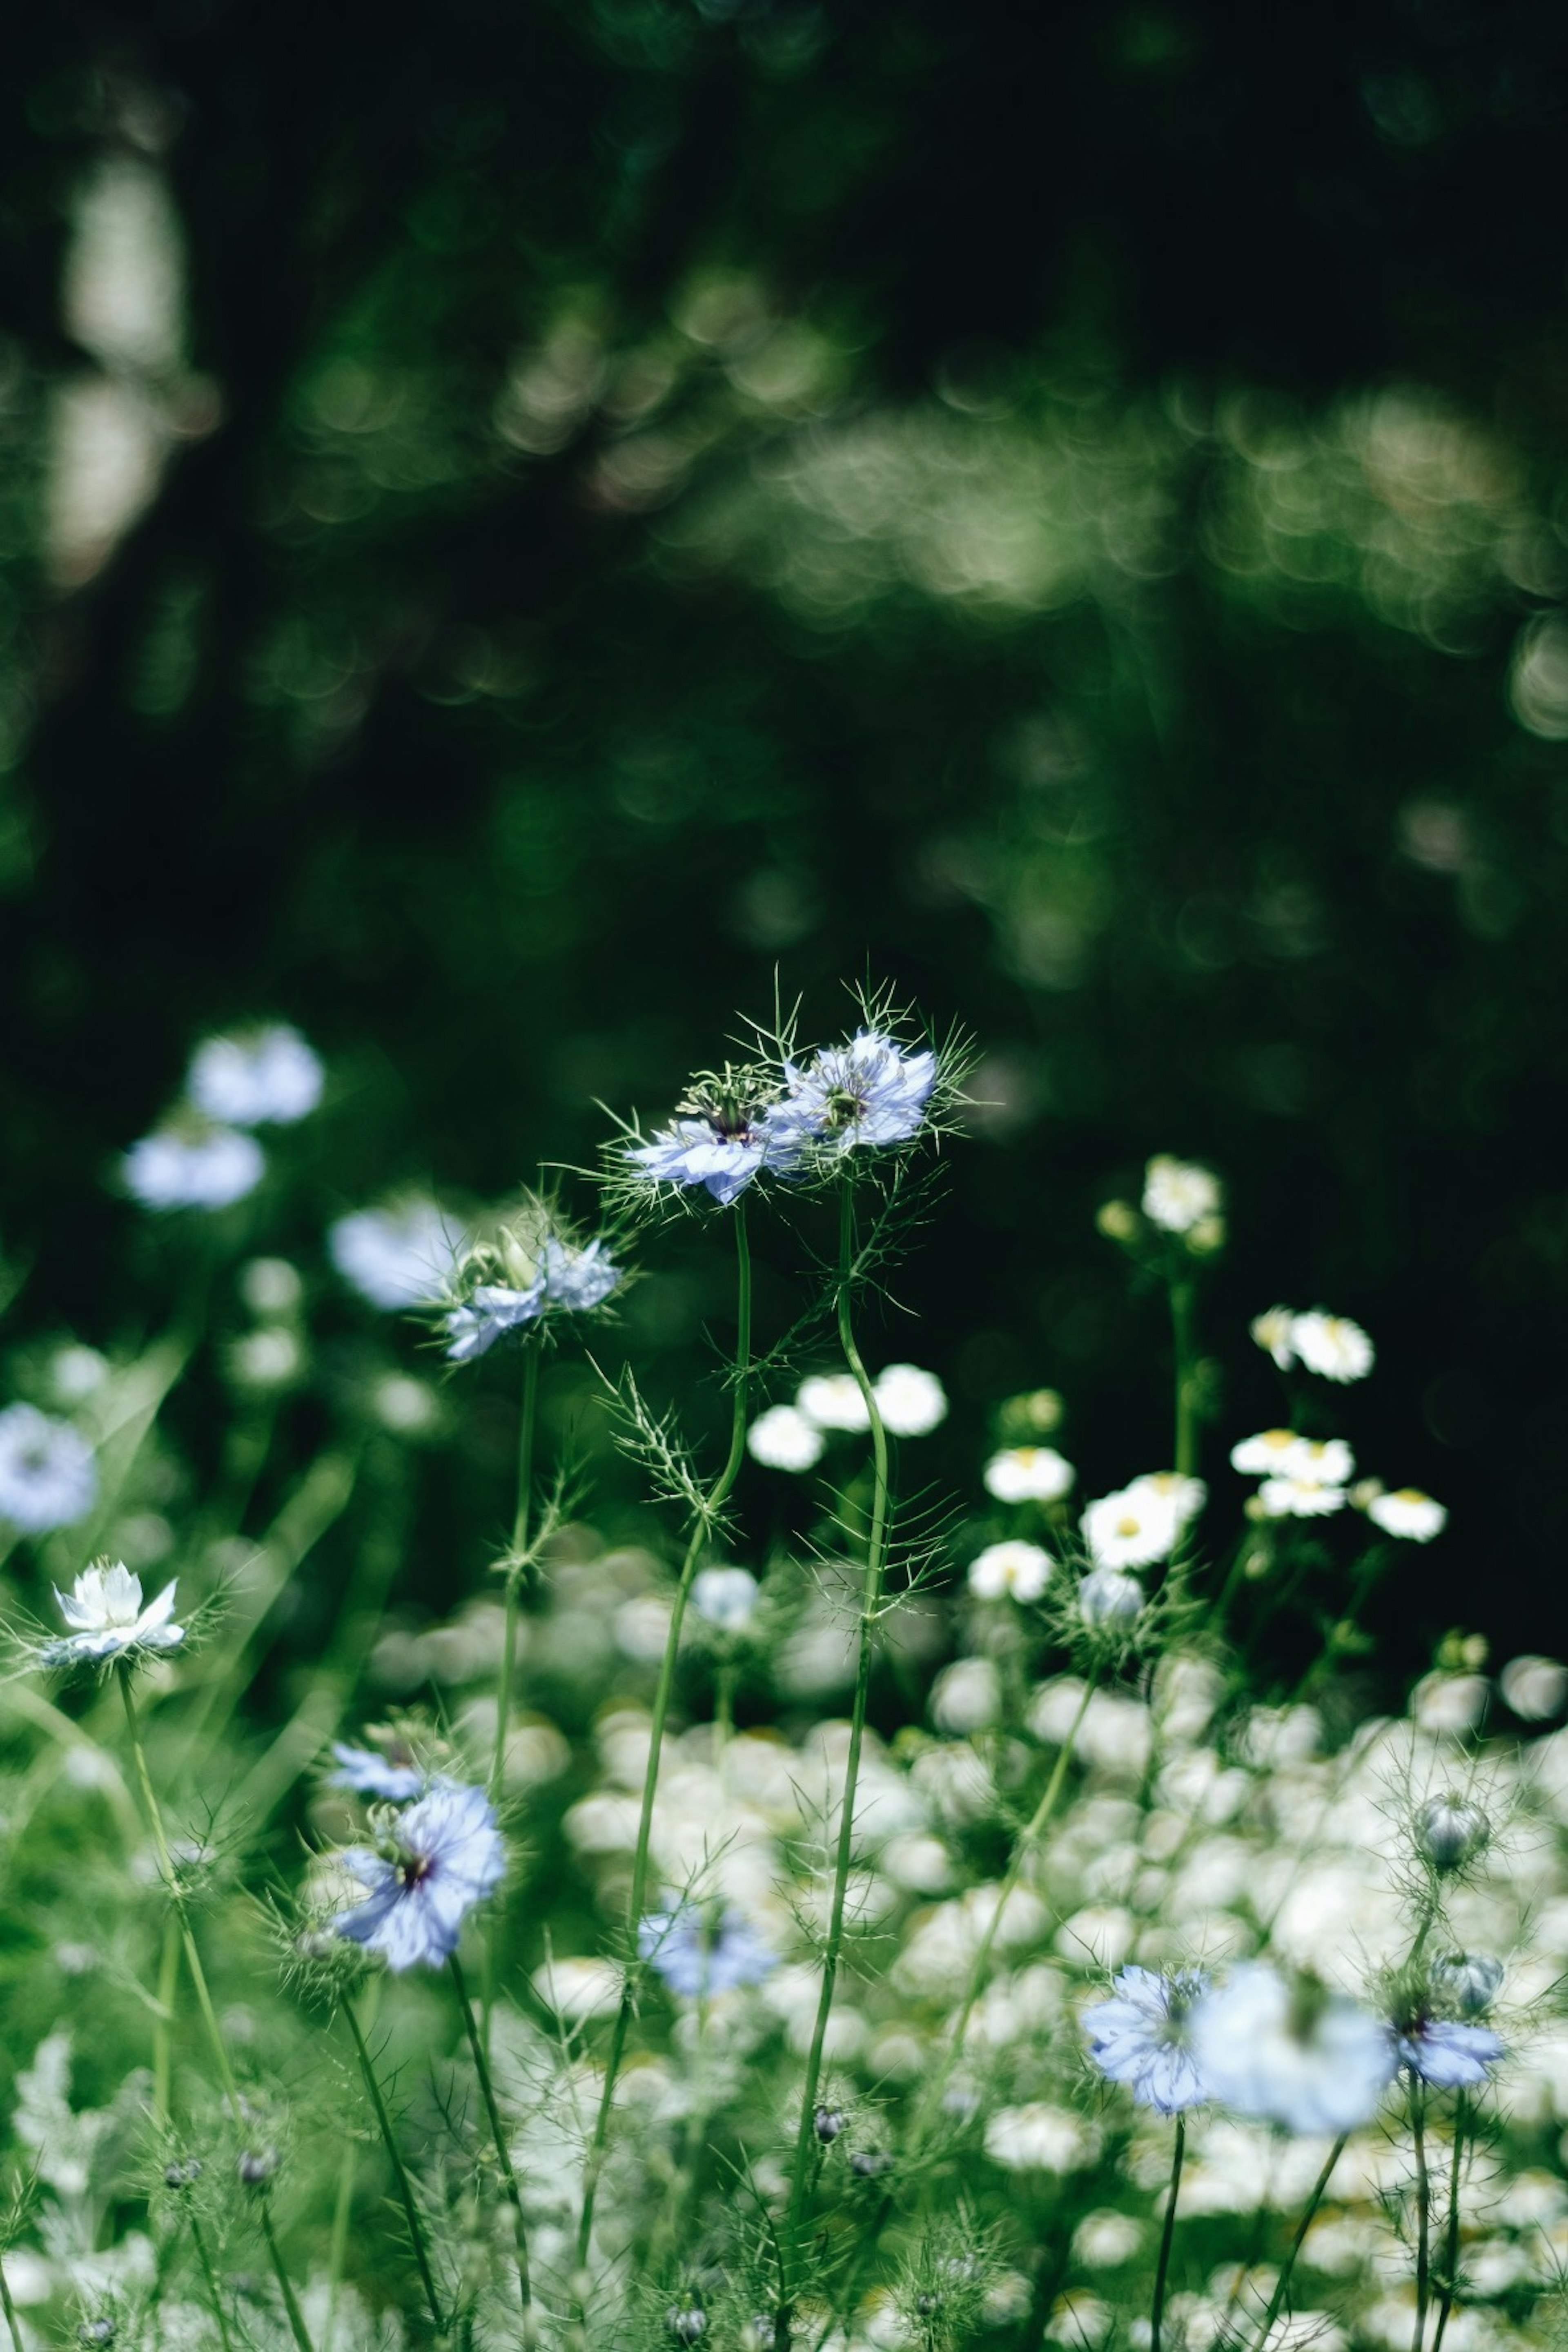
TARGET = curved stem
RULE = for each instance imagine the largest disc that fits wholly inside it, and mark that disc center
(404, 2190)
(1157, 2310)
(870, 1609)
(1282, 2285)
(712, 1503)
(504, 2152)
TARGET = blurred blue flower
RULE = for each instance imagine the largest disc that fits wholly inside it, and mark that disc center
(694, 1960)
(492, 1312)
(203, 1168)
(577, 1278)
(1140, 2037)
(269, 1077)
(369, 1774)
(1450, 2057)
(445, 1854)
(869, 1091)
(48, 1475)
(399, 1257)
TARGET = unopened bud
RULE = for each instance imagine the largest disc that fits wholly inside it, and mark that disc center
(1118, 1220)
(871, 2163)
(829, 2121)
(1468, 1981)
(1451, 1831)
(686, 2323)
(256, 2166)
(183, 2172)
(1108, 1598)
(96, 2331)
(927, 2305)
(1206, 1237)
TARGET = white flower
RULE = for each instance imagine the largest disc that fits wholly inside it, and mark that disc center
(1040, 2137)
(48, 1475)
(783, 1439)
(177, 1167)
(271, 1357)
(911, 1402)
(1534, 1687)
(1141, 1522)
(1274, 1332)
(724, 1597)
(1324, 1462)
(77, 1373)
(1297, 2055)
(1299, 1498)
(1331, 1346)
(1271, 1453)
(1028, 1473)
(1017, 1569)
(399, 1257)
(833, 1400)
(966, 1696)
(105, 1613)
(1408, 1513)
(269, 1077)
(1178, 1194)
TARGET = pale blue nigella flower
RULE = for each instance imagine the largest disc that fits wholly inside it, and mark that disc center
(399, 1257)
(47, 1477)
(267, 1078)
(696, 1962)
(869, 1091)
(492, 1314)
(207, 1168)
(369, 1774)
(721, 1141)
(1140, 2037)
(1450, 2057)
(577, 1278)
(445, 1854)
(106, 1619)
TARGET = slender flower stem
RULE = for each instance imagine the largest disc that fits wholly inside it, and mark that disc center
(713, 1504)
(162, 2029)
(515, 1569)
(1448, 2284)
(1157, 2310)
(503, 2153)
(214, 2295)
(198, 1979)
(13, 2324)
(870, 1610)
(1282, 2285)
(1182, 1332)
(404, 2190)
(1422, 2211)
(338, 2243)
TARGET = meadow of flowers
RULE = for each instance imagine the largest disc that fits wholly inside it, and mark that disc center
(947, 1929)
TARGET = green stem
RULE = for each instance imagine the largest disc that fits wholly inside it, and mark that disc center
(1182, 1332)
(1422, 2211)
(712, 1503)
(1282, 2285)
(12, 2322)
(514, 1567)
(1157, 2312)
(296, 2326)
(870, 1610)
(210, 2275)
(389, 2141)
(503, 2153)
(338, 2244)
(1448, 2286)
(163, 2030)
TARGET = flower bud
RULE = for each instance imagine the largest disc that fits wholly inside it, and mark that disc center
(1118, 1220)
(96, 2331)
(871, 2163)
(827, 2123)
(183, 2172)
(1450, 1832)
(1206, 1237)
(686, 2323)
(1109, 1598)
(1468, 1981)
(256, 2166)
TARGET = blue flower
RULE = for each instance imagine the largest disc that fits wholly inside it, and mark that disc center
(694, 1961)
(48, 1475)
(492, 1314)
(397, 1256)
(722, 1150)
(445, 1854)
(1140, 2037)
(369, 1774)
(577, 1278)
(1450, 2057)
(267, 1078)
(204, 1168)
(869, 1091)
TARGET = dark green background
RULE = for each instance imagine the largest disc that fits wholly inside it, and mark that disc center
(513, 801)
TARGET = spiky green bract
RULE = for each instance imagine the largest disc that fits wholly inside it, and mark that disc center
(940, 2293)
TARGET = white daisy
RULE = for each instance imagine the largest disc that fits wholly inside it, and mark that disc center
(1178, 1194)
(911, 1402)
(1331, 1346)
(1028, 1473)
(1274, 1332)
(1409, 1513)
(1272, 1453)
(1141, 1522)
(1299, 1498)
(1014, 1570)
(833, 1400)
(783, 1439)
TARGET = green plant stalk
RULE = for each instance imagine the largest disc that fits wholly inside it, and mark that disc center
(870, 1609)
(405, 2188)
(713, 1502)
(1157, 2309)
(1448, 2286)
(514, 1572)
(198, 1980)
(213, 2297)
(338, 2243)
(12, 2322)
(503, 2153)
(1182, 1333)
(163, 2030)
(1422, 2211)
(1282, 2285)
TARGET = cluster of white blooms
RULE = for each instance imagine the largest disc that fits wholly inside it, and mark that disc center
(204, 1157)
(1182, 1198)
(910, 1403)
(1330, 1345)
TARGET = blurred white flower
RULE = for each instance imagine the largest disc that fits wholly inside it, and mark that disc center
(1038, 2137)
(269, 1359)
(1141, 1522)
(48, 1475)
(182, 1168)
(407, 1407)
(402, 1255)
(1028, 1473)
(77, 1373)
(725, 1597)
(1534, 1687)
(833, 1400)
(1408, 1513)
(1272, 1453)
(1294, 2054)
(911, 1401)
(1014, 1568)
(1106, 2239)
(1274, 1332)
(1449, 1703)
(270, 1286)
(1331, 1346)
(1299, 1498)
(1323, 1462)
(579, 1988)
(1178, 1194)
(966, 1696)
(269, 1077)
(783, 1439)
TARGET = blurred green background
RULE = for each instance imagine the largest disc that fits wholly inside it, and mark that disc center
(517, 523)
